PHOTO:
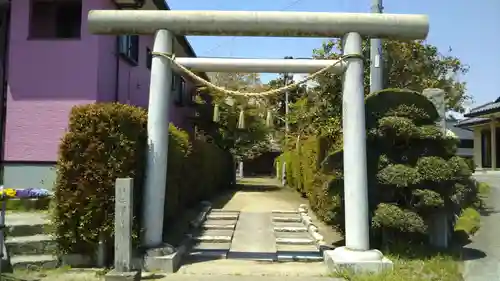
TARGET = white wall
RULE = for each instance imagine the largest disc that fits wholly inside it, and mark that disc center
(463, 135)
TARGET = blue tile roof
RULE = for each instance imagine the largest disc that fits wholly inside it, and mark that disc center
(471, 121)
(490, 107)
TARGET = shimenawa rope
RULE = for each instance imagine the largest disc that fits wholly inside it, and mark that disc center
(253, 94)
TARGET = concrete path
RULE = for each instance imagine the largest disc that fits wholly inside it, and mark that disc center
(242, 267)
(258, 237)
(266, 195)
(253, 237)
(482, 256)
(187, 277)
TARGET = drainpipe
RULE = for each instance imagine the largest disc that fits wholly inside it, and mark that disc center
(5, 66)
(117, 74)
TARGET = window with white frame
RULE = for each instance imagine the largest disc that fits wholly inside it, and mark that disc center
(128, 48)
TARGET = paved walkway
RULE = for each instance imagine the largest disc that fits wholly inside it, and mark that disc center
(483, 254)
(265, 195)
(248, 234)
(253, 237)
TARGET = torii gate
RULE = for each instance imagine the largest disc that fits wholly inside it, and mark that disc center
(164, 24)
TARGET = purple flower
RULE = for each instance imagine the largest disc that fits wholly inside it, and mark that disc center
(22, 193)
(32, 193)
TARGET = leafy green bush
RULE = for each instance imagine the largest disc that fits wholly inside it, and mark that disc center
(108, 141)
(413, 172)
(103, 142)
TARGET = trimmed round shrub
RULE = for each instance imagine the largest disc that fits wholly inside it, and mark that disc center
(392, 218)
(398, 175)
(413, 172)
(399, 103)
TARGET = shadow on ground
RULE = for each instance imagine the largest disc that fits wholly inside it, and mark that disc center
(488, 211)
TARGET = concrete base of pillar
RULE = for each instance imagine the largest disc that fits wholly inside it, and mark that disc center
(165, 259)
(371, 261)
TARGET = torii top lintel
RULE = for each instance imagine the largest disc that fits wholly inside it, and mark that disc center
(258, 23)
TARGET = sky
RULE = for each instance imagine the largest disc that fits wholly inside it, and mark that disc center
(470, 28)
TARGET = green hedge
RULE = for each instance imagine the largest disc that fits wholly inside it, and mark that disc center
(108, 141)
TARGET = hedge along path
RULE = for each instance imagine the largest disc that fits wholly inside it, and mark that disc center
(278, 91)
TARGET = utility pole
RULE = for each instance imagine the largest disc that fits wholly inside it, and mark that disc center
(287, 129)
(287, 93)
(376, 67)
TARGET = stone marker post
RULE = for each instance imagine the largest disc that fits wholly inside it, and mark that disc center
(439, 228)
(123, 232)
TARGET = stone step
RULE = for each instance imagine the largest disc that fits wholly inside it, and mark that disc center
(295, 241)
(34, 262)
(287, 219)
(221, 222)
(288, 224)
(254, 256)
(30, 245)
(218, 226)
(224, 211)
(27, 218)
(304, 249)
(207, 246)
(31, 204)
(222, 216)
(279, 212)
(212, 239)
(290, 229)
(286, 215)
(290, 257)
(208, 254)
(216, 232)
(209, 250)
(290, 234)
(35, 228)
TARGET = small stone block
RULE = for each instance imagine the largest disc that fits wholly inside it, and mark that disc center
(312, 228)
(317, 236)
(114, 275)
(167, 264)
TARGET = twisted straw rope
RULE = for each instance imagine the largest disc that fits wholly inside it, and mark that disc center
(253, 94)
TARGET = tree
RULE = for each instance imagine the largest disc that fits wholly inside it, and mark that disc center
(413, 65)
(413, 169)
(413, 172)
(277, 103)
(244, 143)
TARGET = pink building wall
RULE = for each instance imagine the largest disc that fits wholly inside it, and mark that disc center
(46, 78)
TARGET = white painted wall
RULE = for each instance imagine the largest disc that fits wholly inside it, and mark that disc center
(463, 135)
